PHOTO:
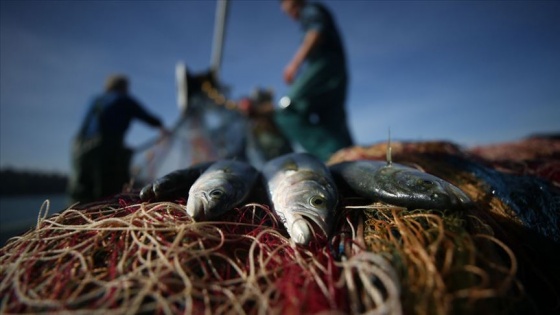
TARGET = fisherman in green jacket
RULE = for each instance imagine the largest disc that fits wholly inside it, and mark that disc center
(313, 112)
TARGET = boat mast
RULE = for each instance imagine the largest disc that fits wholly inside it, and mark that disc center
(219, 35)
(181, 72)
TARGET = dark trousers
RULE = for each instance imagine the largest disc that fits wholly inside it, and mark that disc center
(99, 172)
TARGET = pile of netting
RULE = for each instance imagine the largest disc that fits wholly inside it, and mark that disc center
(130, 257)
(125, 256)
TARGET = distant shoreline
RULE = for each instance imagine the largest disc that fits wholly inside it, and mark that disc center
(7, 232)
(29, 182)
(19, 212)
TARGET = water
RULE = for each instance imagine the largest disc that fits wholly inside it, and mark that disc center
(19, 213)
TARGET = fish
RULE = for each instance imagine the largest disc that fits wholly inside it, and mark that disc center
(221, 187)
(302, 193)
(173, 185)
(398, 185)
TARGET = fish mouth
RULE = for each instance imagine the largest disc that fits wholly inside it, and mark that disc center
(457, 197)
(196, 207)
(305, 227)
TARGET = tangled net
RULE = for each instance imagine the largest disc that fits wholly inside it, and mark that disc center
(140, 257)
(153, 258)
(125, 257)
(517, 209)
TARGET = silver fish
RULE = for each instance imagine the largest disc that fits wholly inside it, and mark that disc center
(398, 185)
(224, 185)
(301, 188)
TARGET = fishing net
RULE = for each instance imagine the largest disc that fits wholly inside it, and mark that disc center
(209, 129)
(125, 256)
(519, 207)
(129, 257)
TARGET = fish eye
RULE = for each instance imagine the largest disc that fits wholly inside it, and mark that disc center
(317, 201)
(216, 193)
(426, 182)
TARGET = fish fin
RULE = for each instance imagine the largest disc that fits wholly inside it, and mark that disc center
(389, 157)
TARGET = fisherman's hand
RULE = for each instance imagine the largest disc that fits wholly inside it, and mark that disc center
(290, 72)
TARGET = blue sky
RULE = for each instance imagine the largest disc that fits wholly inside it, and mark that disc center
(471, 72)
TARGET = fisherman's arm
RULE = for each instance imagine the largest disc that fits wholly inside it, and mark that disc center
(142, 114)
(311, 39)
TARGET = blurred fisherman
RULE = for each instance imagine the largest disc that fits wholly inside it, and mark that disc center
(100, 159)
(265, 140)
(313, 113)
